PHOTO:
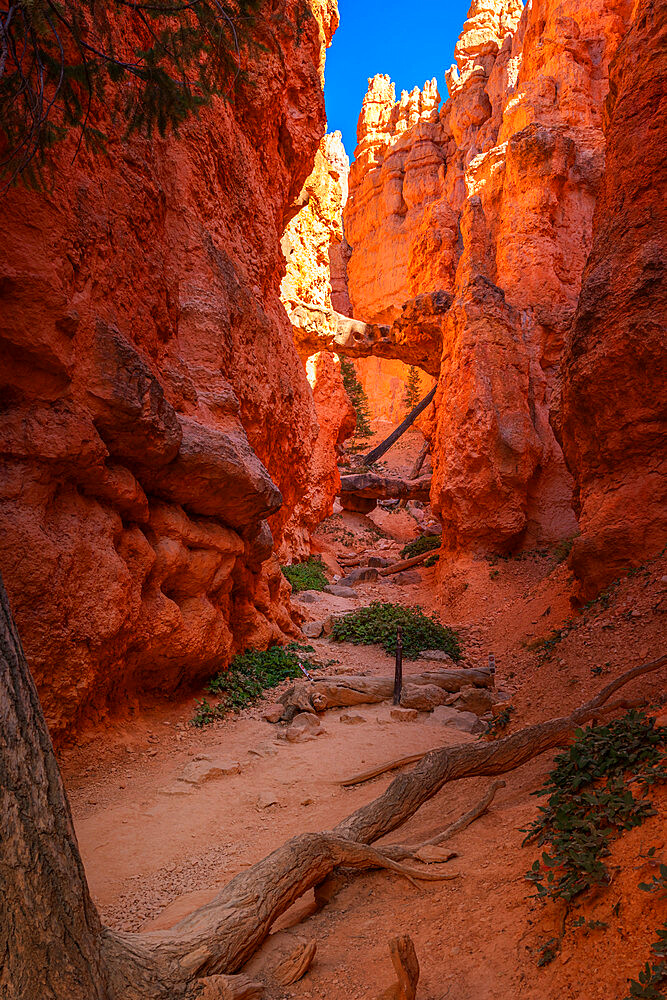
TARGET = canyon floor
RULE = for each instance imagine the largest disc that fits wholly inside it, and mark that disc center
(156, 847)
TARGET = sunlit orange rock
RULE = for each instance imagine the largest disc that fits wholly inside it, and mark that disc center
(490, 197)
(157, 420)
(615, 364)
(313, 244)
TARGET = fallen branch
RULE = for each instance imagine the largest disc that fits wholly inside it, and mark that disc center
(385, 445)
(405, 564)
(421, 691)
(392, 765)
(400, 851)
(69, 949)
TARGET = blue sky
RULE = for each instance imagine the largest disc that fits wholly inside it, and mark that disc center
(411, 44)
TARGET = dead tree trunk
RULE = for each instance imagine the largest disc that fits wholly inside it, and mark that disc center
(385, 445)
(50, 933)
(52, 944)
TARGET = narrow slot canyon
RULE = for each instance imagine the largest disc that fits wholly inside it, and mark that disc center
(333, 500)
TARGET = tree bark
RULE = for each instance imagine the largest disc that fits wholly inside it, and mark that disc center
(385, 445)
(50, 933)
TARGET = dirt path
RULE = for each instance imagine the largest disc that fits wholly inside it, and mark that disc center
(155, 847)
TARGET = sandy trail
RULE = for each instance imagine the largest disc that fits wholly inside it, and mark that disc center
(155, 848)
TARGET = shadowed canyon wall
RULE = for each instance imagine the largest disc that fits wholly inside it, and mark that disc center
(490, 197)
(157, 421)
(615, 365)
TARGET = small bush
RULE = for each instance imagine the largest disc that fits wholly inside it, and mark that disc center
(431, 561)
(249, 675)
(591, 800)
(308, 575)
(376, 625)
(425, 543)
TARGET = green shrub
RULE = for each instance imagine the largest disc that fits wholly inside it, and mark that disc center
(431, 561)
(376, 625)
(590, 801)
(308, 575)
(652, 980)
(425, 543)
(249, 675)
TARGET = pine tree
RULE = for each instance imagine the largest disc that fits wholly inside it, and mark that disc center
(412, 389)
(359, 400)
(148, 65)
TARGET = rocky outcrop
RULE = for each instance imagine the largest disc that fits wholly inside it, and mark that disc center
(157, 421)
(369, 487)
(614, 413)
(489, 199)
(310, 244)
(414, 336)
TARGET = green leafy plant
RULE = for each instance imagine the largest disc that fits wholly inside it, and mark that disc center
(308, 575)
(249, 675)
(376, 625)
(359, 400)
(425, 543)
(591, 801)
(652, 979)
(431, 561)
(499, 722)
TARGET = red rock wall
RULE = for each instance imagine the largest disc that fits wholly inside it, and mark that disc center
(615, 364)
(154, 406)
(313, 245)
(490, 197)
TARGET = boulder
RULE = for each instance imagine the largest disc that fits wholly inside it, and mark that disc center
(351, 720)
(437, 654)
(197, 772)
(309, 596)
(304, 727)
(338, 590)
(467, 722)
(404, 714)
(312, 630)
(363, 574)
(472, 699)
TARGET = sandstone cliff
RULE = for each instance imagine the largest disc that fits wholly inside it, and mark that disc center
(490, 198)
(313, 247)
(615, 364)
(156, 417)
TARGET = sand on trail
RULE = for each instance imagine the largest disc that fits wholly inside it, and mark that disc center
(156, 847)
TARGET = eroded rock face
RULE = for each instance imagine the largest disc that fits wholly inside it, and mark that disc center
(313, 245)
(156, 418)
(489, 199)
(615, 365)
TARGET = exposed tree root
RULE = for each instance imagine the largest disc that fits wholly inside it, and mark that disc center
(400, 851)
(73, 955)
(392, 765)
(221, 936)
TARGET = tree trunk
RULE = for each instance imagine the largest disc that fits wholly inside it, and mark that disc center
(385, 445)
(52, 943)
(50, 933)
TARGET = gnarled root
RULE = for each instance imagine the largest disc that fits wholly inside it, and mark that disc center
(221, 936)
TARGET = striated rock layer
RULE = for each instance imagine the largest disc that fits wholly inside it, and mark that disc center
(615, 366)
(156, 418)
(489, 198)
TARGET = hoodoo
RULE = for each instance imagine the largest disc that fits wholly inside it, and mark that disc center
(333, 500)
